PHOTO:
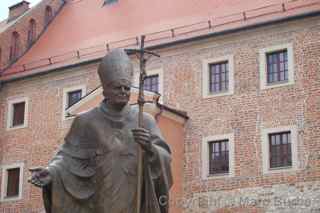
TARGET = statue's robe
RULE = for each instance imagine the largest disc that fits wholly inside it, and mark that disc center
(95, 170)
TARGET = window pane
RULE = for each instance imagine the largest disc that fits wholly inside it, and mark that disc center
(278, 139)
(216, 88)
(48, 15)
(15, 46)
(74, 97)
(216, 78)
(215, 69)
(18, 114)
(218, 157)
(272, 138)
(286, 74)
(151, 83)
(219, 73)
(282, 68)
(282, 77)
(222, 68)
(284, 139)
(269, 59)
(223, 77)
(277, 66)
(280, 150)
(270, 77)
(281, 56)
(285, 55)
(13, 182)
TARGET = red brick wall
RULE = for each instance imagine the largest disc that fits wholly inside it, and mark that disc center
(18, 10)
(36, 144)
(245, 113)
(21, 26)
(249, 109)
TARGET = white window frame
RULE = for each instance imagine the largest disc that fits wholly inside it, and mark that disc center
(206, 78)
(65, 98)
(159, 72)
(4, 182)
(11, 102)
(263, 66)
(205, 156)
(266, 149)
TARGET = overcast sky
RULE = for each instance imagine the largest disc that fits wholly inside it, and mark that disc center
(4, 4)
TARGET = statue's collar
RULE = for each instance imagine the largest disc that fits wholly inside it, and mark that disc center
(114, 115)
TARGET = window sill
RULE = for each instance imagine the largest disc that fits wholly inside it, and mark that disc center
(218, 94)
(68, 118)
(11, 199)
(281, 170)
(17, 127)
(277, 84)
(217, 176)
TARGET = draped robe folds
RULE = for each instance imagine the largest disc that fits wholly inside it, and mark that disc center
(95, 170)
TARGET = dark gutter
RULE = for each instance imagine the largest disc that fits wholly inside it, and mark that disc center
(180, 113)
(51, 70)
(169, 44)
(162, 107)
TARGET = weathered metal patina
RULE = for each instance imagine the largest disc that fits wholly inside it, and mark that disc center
(95, 170)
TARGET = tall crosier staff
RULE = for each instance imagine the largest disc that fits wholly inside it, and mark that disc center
(140, 120)
(141, 55)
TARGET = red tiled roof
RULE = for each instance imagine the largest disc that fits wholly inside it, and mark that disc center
(87, 26)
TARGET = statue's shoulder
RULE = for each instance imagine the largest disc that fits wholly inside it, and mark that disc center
(88, 116)
(147, 117)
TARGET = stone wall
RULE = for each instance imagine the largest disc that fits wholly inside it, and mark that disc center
(300, 197)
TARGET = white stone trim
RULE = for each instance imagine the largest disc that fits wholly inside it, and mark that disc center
(65, 96)
(158, 71)
(205, 155)
(266, 149)
(205, 76)
(153, 109)
(11, 102)
(263, 66)
(4, 182)
(97, 92)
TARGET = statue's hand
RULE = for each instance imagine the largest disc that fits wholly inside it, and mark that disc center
(40, 177)
(143, 137)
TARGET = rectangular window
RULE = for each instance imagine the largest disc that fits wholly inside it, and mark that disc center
(73, 97)
(280, 149)
(18, 114)
(218, 77)
(151, 83)
(219, 157)
(13, 182)
(277, 66)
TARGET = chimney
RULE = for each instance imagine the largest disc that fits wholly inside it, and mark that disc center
(17, 10)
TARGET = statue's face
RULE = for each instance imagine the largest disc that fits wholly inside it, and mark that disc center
(117, 93)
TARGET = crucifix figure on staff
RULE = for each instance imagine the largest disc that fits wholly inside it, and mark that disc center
(114, 158)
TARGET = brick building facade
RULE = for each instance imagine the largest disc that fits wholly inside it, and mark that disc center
(247, 111)
(23, 28)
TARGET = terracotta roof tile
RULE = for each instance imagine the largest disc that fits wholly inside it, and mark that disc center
(87, 25)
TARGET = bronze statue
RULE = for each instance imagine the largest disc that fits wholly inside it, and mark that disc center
(95, 170)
